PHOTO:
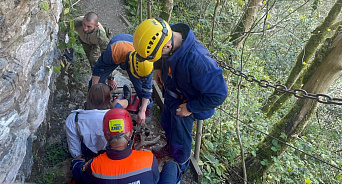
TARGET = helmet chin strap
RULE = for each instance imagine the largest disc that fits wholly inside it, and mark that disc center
(171, 50)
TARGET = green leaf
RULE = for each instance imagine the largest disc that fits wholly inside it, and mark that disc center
(283, 135)
(73, 40)
(223, 167)
(307, 180)
(290, 170)
(66, 11)
(208, 168)
(218, 171)
(44, 5)
(254, 153)
(62, 64)
(264, 162)
(62, 45)
(212, 159)
(339, 177)
(210, 145)
(47, 69)
(200, 162)
(275, 142)
(274, 149)
(57, 68)
(72, 25)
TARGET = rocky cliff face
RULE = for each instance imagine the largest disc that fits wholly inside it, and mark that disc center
(28, 36)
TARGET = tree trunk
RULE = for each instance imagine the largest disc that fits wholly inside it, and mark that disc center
(167, 10)
(294, 122)
(246, 22)
(303, 60)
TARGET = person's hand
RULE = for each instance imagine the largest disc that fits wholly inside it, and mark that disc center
(112, 83)
(112, 103)
(183, 110)
(157, 77)
(141, 117)
(80, 157)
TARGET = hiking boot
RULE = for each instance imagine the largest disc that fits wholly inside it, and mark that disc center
(148, 115)
(160, 152)
(127, 93)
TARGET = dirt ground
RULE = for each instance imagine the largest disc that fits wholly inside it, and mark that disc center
(109, 12)
(148, 136)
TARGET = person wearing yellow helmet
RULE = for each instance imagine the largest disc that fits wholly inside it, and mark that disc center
(192, 81)
(150, 37)
(120, 52)
(139, 68)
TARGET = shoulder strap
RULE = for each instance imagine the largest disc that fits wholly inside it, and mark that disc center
(77, 127)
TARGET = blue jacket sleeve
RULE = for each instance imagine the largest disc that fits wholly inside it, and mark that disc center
(104, 62)
(80, 170)
(147, 86)
(209, 81)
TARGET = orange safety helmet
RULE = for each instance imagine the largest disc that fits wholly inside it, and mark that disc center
(150, 37)
(117, 121)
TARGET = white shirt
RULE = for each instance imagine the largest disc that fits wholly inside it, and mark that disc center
(89, 128)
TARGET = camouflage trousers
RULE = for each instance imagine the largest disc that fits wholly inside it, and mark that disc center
(92, 52)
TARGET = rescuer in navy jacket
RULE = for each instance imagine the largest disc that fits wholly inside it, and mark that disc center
(120, 52)
(193, 82)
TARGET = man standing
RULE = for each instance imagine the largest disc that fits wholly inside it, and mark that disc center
(192, 81)
(92, 35)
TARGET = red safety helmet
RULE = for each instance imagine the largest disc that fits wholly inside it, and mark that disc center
(117, 121)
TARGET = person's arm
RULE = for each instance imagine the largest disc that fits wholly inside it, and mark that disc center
(157, 77)
(146, 93)
(141, 117)
(102, 40)
(94, 80)
(112, 82)
(73, 139)
(81, 171)
(158, 72)
(183, 110)
(211, 86)
(146, 86)
(104, 62)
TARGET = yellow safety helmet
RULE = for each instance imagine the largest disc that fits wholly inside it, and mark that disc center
(139, 68)
(150, 37)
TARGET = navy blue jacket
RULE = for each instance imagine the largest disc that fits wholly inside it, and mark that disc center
(117, 53)
(195, 74)
(115, 167)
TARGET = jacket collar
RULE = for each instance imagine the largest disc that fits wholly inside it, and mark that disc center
(188, 40)
(119, 154)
